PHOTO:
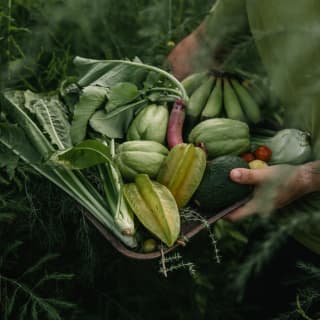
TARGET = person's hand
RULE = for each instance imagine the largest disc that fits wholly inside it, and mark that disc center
(275, 187)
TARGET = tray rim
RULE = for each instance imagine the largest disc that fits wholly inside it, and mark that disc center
(120, 247)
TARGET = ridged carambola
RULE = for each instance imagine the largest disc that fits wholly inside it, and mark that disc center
(182, 171)
(155, 207)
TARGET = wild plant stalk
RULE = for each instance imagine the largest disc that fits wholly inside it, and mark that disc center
(191, 215)
(175, 262)
(22, 301)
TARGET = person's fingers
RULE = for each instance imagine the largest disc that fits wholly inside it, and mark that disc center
(249, 176)
(246, 210)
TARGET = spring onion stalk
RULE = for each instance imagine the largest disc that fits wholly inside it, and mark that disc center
(112, 183)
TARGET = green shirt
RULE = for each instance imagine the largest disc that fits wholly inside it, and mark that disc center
(287, 37)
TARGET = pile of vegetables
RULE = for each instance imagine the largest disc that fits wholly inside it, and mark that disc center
(116, 142)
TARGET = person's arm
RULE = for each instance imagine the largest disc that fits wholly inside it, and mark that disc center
(207, 45)
(275, 186)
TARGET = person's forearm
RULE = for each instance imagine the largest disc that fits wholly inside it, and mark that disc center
(226, 23)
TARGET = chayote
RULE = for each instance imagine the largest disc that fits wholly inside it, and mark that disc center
(139, 156)
(150, 124)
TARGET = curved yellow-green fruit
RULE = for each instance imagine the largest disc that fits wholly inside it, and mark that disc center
(248, 104)
(213, 107)
(193, 81)
(231, 103)
(155, 208)
(198, 101)
(182, 171)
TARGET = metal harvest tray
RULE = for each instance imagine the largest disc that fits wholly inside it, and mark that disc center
(188, 230)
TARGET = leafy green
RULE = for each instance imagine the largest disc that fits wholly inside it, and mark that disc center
(115, 123)
(124, 71)
(8, 160)
(17, 144)
(151, 79)
(90, 100)
(121, 94)
(85, 155)
(90, 70)
(13, 103)
(104, 73)
(51, 116)
(35, 147)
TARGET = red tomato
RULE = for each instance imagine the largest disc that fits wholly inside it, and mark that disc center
(263, 153)
(248, 156)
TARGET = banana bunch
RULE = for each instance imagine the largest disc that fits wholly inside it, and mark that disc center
(219, 95)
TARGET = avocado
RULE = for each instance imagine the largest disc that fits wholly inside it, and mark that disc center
(216, 190)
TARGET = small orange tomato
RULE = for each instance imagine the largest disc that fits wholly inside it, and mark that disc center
(248, 156)
(263, 153)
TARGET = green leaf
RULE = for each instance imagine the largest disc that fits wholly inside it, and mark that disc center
(13, 102)
(8, 160)
(90, 100)
(7, 217)
(61, 304)
(51, 116)
(32, 146)
(121, 94)
(90, 70)
(120, 73)
(13, 137)
(235, 234)
(52, 313)
(34, 311)
(151, 80)
(115, 124)
(103, 73)
(24, 311)
(85, 155)
(40, 263)
(12, 301)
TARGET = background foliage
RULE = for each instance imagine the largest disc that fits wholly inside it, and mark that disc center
(54, 265)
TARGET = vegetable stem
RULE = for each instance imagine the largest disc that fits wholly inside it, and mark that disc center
(183, 93)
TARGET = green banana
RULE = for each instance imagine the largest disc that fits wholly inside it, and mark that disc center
(231, 103)
(193, 81)
(214, 104)
(256, 91)
(249, 105)
(197, 102)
